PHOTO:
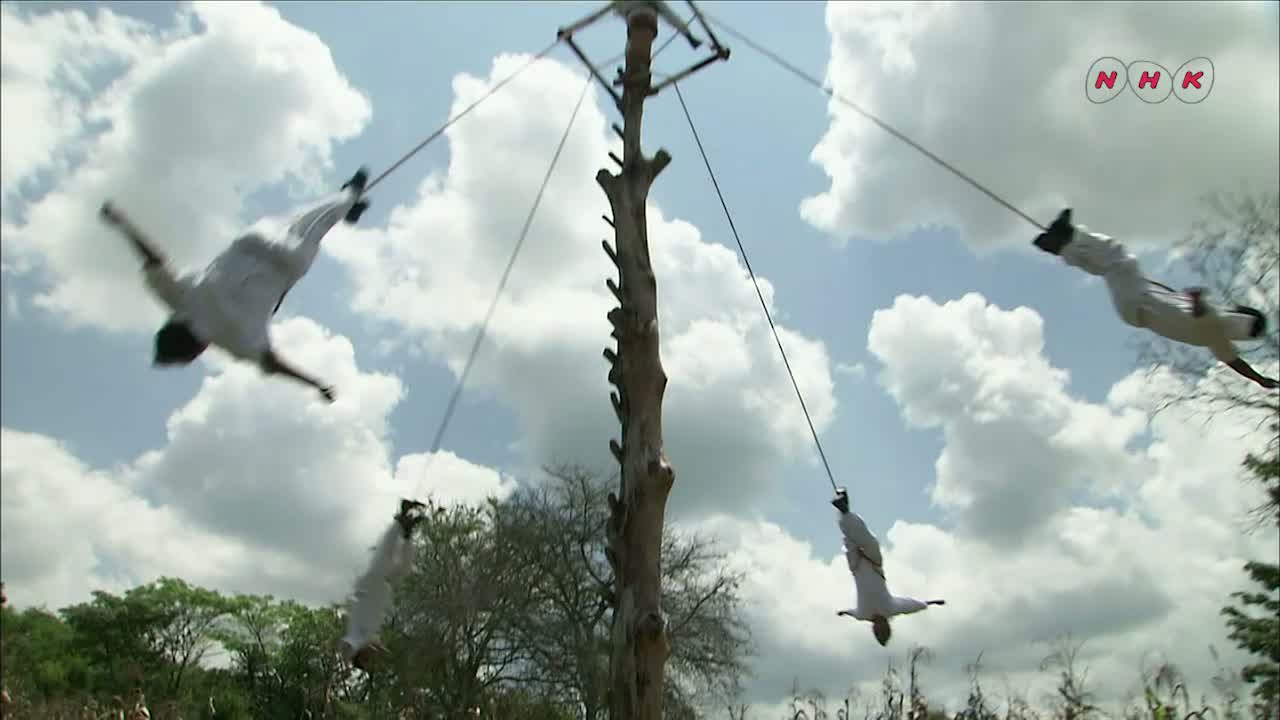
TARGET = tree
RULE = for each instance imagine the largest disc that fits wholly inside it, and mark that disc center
(1254, 621)
(284, 657)
(556, 530)
(1234, 252)
(452, 634)
(186, 618)
(39, 660)
(118, 638)
(253, 638)
(313, 680)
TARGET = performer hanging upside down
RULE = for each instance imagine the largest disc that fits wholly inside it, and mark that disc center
(232, 304)
(660, 8)
(862, 551)
(373, 591)
(1180, 316)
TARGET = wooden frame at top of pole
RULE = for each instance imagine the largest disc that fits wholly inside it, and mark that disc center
(717, 51)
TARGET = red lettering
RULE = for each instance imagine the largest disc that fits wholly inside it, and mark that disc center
(1108, 80)
(1192, 79)
(1152, 79)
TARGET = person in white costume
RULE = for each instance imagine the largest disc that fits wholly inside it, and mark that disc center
(862, 551)
(660, 8)
(1179, 316)
(231, 304)
(392, 559)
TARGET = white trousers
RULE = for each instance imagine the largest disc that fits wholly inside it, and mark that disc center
(373, 591)
(1146, 304)
(297, 253)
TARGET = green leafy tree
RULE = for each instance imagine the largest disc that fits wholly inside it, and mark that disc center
(186, 618)
(1254, 619)
(118, 639)
(451, 634)
(252, 637)
(39, 658)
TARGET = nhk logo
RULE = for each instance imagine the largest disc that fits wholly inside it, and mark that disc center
(1152, 83)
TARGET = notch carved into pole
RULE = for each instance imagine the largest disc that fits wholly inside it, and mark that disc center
(618, 408)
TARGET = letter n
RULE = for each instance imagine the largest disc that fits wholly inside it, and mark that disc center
(1108, 80)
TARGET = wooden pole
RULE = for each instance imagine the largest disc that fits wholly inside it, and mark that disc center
(640, 645)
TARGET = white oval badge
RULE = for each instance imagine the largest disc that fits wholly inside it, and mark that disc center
(1152, 83)
(1194, 80)
(1105, 80)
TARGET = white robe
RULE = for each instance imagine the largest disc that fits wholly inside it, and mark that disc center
(658, 7)
(862, 551)
(1144, 304)
(373, 591)
(231, 304)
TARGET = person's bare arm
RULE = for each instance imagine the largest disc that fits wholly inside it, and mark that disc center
(272, 364)
(1245, 369)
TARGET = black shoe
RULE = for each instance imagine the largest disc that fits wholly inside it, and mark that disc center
(353, 215)
(357, 181)
(841, 500)
(1057, 236)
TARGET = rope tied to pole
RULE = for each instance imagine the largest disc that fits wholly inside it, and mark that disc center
(759, 293)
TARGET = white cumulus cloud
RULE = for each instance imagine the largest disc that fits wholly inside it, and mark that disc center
(998, 91)
(233, 101)
(731, 415)
(261, 487)
(1055, 522)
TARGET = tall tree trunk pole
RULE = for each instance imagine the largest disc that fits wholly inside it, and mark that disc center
(639, 634)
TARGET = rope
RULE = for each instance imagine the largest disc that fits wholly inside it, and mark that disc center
(502, 282)
(880, 123)
(497, 86)
(769, 316)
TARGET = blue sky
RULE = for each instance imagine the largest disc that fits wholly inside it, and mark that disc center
(92, 389)
(823, 291)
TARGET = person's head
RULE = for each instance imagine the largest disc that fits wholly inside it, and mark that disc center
(177, 345)
(880, 628)
(346, 650)
(358, 657)
(362, 657)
